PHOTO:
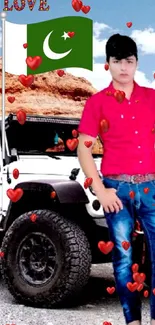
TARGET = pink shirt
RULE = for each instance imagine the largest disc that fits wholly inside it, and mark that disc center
(129, 141)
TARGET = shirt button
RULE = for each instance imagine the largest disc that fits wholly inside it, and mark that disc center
(139, 147)
(140, 161)
(122, 116)
(136, 132)
(133, 117)
(129, 103)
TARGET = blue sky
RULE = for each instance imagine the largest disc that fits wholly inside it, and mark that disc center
(108, 17)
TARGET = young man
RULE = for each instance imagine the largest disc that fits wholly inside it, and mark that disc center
(124, 116)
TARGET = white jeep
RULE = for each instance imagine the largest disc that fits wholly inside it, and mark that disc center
(49, 237)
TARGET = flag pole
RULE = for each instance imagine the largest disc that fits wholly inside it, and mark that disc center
(3, 16)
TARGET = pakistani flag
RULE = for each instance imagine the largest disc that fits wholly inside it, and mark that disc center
(60, 43)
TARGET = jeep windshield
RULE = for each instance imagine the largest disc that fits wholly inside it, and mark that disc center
(42, 135)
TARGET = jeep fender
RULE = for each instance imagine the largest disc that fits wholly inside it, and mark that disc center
(67, 192)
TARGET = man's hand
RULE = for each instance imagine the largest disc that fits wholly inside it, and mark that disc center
(109, 200)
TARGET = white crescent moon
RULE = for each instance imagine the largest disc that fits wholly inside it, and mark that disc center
(49, 53)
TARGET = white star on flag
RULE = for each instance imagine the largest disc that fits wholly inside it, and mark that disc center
(65, 35)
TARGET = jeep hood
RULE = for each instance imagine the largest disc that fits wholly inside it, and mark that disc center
(44, 165)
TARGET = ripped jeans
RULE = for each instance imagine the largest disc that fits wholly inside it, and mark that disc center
(121, 227)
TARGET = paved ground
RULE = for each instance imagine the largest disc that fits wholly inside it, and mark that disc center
(95, 306)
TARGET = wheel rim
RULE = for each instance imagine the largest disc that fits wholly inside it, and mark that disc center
(37, 258)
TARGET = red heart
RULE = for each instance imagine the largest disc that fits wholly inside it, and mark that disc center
(85, 9)
(60, 73)
(146, 190)
(11, 99)
(132, 194)
(25, 45)
(53, 194)
(125, 245)
(21, 116)
(72, 144)
(105, 247)
(106, 323)
(111, 290)
(119, 95)
(71, 34)
(108, 93)
(26, 80)
(88, 182)
(88, 144)
(153, 291)
(74, 133)
(146, 293)
(1, 254)
(140, 287)
(15, 173)
(135, 267)
(106, 66)
(15, 195)
(129, 24)
(77, 5)
(139, 277)
(33, 217)
(104, 125)
(135, 234)
(34, 63)
(137, 225)
(132, 286)
(154, 75)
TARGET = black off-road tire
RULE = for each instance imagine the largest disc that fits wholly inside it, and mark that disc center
(73, 260)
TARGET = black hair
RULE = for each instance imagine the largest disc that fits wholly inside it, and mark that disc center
(120, 47)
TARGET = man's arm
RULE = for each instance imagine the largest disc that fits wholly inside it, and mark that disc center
(87, 162)
(89, 130)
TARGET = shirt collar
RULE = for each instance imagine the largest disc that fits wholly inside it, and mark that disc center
(136, 90)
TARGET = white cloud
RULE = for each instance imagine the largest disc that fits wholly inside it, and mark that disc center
(145, 40)
(99, 44)
(98, 41)
(141, 79)
(100, 78)
(99, 47)
(98, 28)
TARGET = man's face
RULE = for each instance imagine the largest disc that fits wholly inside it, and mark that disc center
(123, 71)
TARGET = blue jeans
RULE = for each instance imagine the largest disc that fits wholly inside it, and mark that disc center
(121, 227)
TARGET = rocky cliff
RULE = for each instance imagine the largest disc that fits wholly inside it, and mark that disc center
(49, 95)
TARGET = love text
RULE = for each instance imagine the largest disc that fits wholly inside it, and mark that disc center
(19, 5)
